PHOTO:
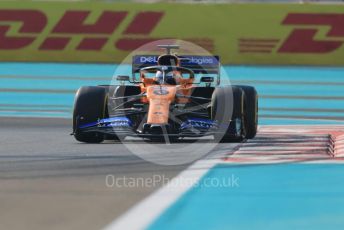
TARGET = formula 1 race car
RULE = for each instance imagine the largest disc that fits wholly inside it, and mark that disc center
(175, 97)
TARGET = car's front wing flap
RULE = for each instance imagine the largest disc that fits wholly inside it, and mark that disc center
(193, 127)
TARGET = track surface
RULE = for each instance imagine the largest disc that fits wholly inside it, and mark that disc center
(287, 177)
(49, 181)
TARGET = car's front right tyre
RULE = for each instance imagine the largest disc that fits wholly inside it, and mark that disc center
(89, 106)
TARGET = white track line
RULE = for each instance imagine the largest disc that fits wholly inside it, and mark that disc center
(145, 212)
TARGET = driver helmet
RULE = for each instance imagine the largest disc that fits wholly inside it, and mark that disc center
(169, 77)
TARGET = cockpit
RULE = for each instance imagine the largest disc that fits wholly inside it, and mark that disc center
(170, 75)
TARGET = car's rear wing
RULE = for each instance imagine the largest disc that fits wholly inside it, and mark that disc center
(198, 64)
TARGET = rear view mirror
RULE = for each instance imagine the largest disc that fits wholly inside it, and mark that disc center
(122, 78)
(207, 79)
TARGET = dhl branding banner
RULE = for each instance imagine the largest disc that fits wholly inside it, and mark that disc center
(107, 32)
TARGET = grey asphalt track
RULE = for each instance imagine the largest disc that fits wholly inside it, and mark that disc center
(50, 181)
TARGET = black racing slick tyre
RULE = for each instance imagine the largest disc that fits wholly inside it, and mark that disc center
(123, 93)
(126, 90)
(251, 110)
(89, 106)
(227, 105)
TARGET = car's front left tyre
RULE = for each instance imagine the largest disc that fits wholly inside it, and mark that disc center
(227, 108)
(251, 110)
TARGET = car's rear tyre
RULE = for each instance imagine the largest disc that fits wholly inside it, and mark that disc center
(222, 100)
(206, 92)
(251, 111)
(125, 90)
(89, 106)
(122, 93)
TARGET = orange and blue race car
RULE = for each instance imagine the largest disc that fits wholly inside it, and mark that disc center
(174, 97)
